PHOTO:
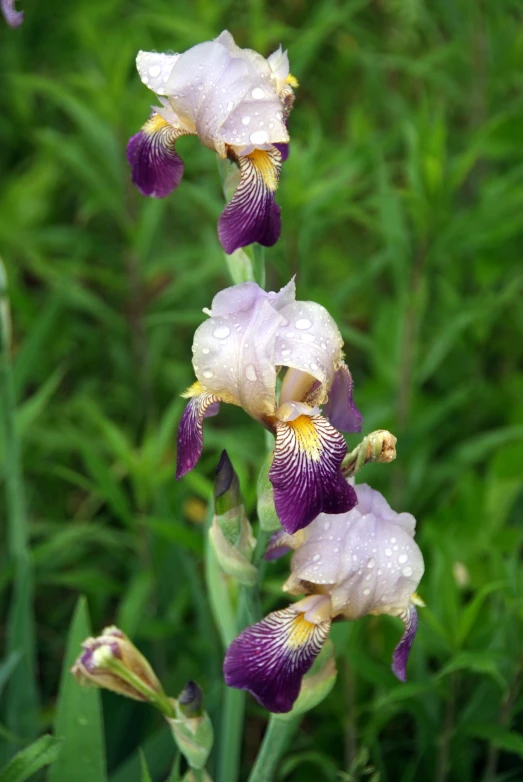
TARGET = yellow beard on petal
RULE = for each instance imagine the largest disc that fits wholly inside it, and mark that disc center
(307, 439)
(195, 390)
(264, 165)
(292, 81)
(301, 630)
(154, 124)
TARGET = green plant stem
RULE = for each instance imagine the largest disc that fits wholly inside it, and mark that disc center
(258, 263)
(21, 699)
(277, 736)
(231, 735)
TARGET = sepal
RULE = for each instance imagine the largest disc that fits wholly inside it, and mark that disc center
(193, 735)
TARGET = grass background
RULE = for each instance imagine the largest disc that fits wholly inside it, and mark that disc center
(402, 206)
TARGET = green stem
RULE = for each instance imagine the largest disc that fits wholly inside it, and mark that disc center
(258, 263)
(231, 736)
(277, 736)
(21, 699)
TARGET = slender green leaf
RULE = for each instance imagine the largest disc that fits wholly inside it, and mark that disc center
(28, 761)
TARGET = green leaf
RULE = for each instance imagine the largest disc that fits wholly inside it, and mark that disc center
(146, 777)
(507, 740)
(476, 662)
(31, 759)
(7, 667)
(79, 715)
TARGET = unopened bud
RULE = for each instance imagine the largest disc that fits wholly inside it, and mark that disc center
(226, 488)
(193, 733)
(317, 683)
(235, 559)
(190, 700)
(112, 662)
(269, 521)
(378, 446)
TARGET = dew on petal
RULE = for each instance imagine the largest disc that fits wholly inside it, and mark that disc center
(246, 119)
(205, 350)
(208, 373)
(407, 571)
(259, 137)
(402, 559)
(371, 562)
(230, 106)
(303, 323)
(388, 552)
(250, 372)
(258, 94)
(221, 332)
(314, 367)
(366, 591)
(154, 71)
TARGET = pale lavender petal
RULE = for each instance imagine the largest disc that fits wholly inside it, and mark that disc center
(254, 122)
(190, 431)
(309, 340)
(280, 543)
(12, 17)
(253, 215)
(372, 562)
(233, 355)
(156, 167)
(306, 472)
(154, 69)
(340, 408)
(270, 658)
(402, 650)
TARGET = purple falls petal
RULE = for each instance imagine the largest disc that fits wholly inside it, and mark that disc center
(340, 408)
(283, 150)
(253, 215)
(402, 650)
(306, 472)
(156, 168)
(190, 431)
(12, 17)
(270, 658)
(280, 543)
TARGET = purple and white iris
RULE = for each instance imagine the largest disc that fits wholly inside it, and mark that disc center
(251, 337)
(13, 17)
(364, 562)
(237, 103)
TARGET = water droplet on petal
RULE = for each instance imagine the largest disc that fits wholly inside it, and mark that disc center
(316, 558)
(246, 119)
(259, 137)
(221, 332)
(230, 106)
(205, 350)
(258, 93)
(154, 71)
(407, 571)
(208, 373)
(371, 562)
(303, 323)
(402, 559)
(250, 372)
(388, 552)
(366, 591)
(314, 367)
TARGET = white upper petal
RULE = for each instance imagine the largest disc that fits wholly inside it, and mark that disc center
(310, 341)
(371, 562)
(154, 69)
(279, 65)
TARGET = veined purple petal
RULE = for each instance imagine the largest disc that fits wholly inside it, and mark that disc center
(340, 408)
(283, 149)
(12, 17)
(270, 658)
(190, 430)
(156, 167)
(280, 543)
(306, 472)
(402, 650)
(253, 215)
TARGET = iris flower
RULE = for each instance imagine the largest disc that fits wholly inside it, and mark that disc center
(237, 103)
(12, 17)
(365, 562)
(250, 338)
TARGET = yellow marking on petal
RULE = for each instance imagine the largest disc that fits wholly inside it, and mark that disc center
(307, 438)
(292, 81)
(154, 124)
(417, 600)
(300, 633)
(262, 161)
(195, 390)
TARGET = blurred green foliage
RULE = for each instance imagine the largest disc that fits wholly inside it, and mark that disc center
(402, 206)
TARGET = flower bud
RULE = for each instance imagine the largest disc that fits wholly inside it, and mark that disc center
(269, 521)
(190, 700)
(191, 726)
(230, 533)
(316, 684)
(378, 446)
(112, 662)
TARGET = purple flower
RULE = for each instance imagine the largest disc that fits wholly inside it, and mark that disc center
(364, 562)
(12, 17)
(250, 338)
(237, 103)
